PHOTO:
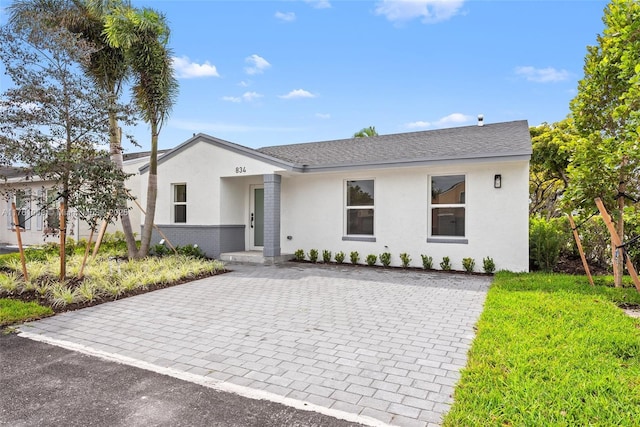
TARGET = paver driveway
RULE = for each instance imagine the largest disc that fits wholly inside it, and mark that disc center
(371, 345)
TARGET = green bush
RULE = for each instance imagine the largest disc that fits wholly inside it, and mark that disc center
(339, 257)
(488, 265)
(468, 264)
(371, 260)
(385, 258)
(446, 263)
(546, 238)
(313, 255)
(159, 250)
(427, 262)
(190, 250)
(354, 257)
(299, 255)
(326, 256)
(405, 259)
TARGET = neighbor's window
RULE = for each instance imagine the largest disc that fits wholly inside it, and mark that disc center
(22, 199)
(52, 216)
(360, 207)
(448, 205)
(179, 202)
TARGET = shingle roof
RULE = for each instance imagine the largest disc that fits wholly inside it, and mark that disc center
(466, 142)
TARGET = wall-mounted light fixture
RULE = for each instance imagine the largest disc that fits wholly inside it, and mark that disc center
(497, 181)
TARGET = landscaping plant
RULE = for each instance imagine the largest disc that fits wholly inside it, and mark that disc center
(446, 263)
(326, 256)
(371, 260)
(313, 255)
(355, 257)
(385, 258)
(427, 262)
(468, 264)
(488, 265)
(405, 259)
(299, 255)
(339, 257)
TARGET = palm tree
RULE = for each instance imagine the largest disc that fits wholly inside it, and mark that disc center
(366, 132)
(107, 67)
(143, 34)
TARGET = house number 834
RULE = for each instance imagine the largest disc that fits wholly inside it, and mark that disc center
(241, 169)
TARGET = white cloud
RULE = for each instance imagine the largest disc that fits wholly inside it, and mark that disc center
(298, 93)
(323, 116)
(246, 97)
(542, 75)
(286, 16)
(186, 69)
(451, 119)
(319, 4)
(244, 83)
(257, 64)
(431, 11)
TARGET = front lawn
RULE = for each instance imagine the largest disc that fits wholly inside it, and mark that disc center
(551, 350)
(12, 311)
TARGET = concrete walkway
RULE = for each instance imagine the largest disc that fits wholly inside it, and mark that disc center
(367, 345)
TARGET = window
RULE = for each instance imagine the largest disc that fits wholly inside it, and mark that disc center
(22, 199)
(360, 207)
(52, 210)
(448, 206)
(180, 203)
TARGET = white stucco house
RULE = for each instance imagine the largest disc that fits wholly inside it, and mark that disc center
(458, 192)
(38, 209)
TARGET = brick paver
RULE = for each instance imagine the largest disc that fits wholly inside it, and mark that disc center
(384, 344)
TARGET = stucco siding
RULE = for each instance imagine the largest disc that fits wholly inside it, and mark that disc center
(313, 214)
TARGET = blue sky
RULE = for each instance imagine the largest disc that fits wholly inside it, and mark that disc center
(263, 73)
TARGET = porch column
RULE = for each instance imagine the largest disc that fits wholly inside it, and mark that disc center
(271, 215)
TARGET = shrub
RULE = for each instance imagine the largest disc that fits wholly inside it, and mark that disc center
(190, 250)
(313, 255)
(427, 262)
(159, 250)
(299, 255)
(371, 259)
(405, 259)
(385, 258)
(355, 257)
(545, 242)
(488, 265)
(339, 257)
(468, 264)
(326, 256)
(446, 263)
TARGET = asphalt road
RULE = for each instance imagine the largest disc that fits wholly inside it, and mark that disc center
(44, 385)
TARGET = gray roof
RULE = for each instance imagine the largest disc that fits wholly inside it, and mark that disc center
(496, 140)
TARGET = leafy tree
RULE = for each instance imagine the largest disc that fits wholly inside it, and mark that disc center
(366, 132)
(53, 120)
(606, 111)
(143, 34)
(106, 66)
(553, 146)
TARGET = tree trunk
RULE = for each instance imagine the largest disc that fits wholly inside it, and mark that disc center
(115, 146)
(152, 193)
(618, 260)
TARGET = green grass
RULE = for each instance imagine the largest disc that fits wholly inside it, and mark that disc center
(13, 311)
(551, 350)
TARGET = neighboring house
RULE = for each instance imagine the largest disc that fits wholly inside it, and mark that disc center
(459, 192)
(39, 224)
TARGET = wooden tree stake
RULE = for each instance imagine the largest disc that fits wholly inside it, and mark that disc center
(103, 228)
(63, 242)
(86, 255)
(615, 239)
(16, 222)
(579, 244)
(175, 251)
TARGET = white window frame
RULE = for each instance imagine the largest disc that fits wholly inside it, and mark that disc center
(27, 209)
(431, 206)
(51, 208)
(347, 208)
(175, 203)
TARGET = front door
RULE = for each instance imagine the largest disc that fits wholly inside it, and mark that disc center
(257, 217)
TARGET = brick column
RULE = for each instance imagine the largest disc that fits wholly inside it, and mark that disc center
(271, 215)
